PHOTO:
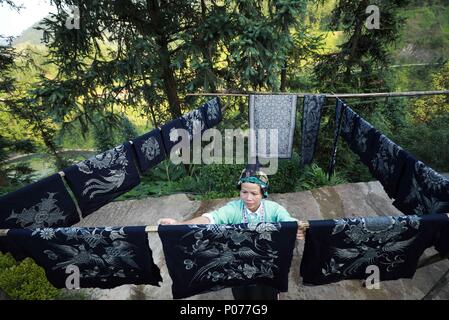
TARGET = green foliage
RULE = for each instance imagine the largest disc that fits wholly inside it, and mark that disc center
(6, 261)
(359, 63)
(315, 177)
(111, 130)
(24, 280)
(220, 179)
(284, 180)
(428, 142)
(65, 294)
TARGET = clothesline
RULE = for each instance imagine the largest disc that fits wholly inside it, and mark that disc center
(328, 95)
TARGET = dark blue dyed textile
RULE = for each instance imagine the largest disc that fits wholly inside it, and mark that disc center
(149, 149)
(421, 189)
(100, 179)
(310, 126)
(362, 139)
(202, 258)
(342, 249)
(383, 157)
(45, 203)
(171, 135)
(212, 112)
(194, 122)
(387, 162)
(106, 257)
(348, 122)
(339, 109)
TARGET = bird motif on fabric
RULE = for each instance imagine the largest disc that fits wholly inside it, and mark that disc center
(77, 255)
(120, 252)
(367, 255)
(116, 161)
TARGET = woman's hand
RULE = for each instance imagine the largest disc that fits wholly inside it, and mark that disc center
(300, 234)
(167, 221)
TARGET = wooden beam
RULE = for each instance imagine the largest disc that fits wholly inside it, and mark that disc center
(328, 95)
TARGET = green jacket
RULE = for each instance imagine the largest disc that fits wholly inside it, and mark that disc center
(231, 213)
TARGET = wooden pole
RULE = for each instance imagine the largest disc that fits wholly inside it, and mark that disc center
(328, 95)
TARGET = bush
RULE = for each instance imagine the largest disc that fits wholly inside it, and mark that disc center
(315, 177)
(287, 175)
(220, 179)
(24, 280)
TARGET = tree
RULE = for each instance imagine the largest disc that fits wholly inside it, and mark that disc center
(7, 86)
(361, 60)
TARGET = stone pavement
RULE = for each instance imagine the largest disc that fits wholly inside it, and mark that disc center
(348, 200)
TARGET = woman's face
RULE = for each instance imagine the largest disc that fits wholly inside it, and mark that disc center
(251, 195)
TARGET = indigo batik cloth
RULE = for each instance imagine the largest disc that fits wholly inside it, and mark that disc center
(384, 159)
(342, 249)
(194, 122)
(45, 203)
(173, 134)
(272, 112)
(387, 163)
(422, 190)
(310, 126)
(203, 258)
(212, 112)
(149, 149)
(105, 257)
(102, 178)
(339, 110)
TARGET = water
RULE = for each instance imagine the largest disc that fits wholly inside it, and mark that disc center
(44, 165)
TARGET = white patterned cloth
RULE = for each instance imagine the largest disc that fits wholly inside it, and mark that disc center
(272, 112)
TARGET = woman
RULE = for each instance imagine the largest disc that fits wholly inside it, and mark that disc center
(250, 208)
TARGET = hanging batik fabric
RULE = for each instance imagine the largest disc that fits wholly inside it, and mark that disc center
(194, 122)
(339, 110)
(149, 149)
(422, 190)
(104, 257)
(102, 178)
(387, 163)
(45, 203)
(384, 159)
(269, 114)
(203, 258)
(310, 126)
(212, 112)
(172, 134)
(342, 249)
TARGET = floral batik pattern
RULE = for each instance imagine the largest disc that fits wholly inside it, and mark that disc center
(105, 257)
(383, 157)
(194, 122)
(149, 149)
(387, 163)
(422, 190)
(342, 249)
(100, 179)
(310, 126)
(202, 258)
(272, 112)
(45, 203)
(212, 112)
